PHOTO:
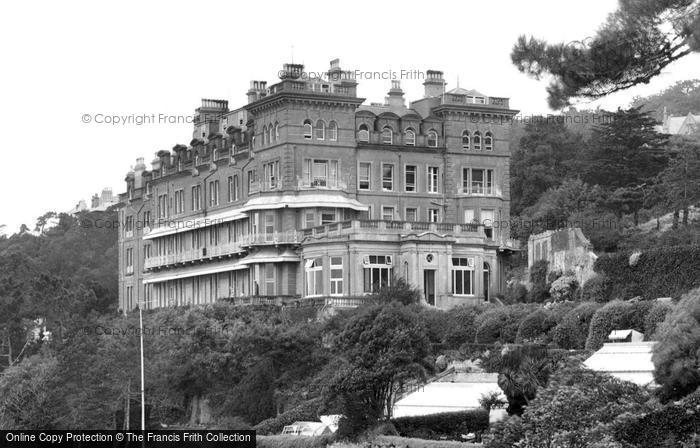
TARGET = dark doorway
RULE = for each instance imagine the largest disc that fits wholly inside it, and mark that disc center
(429, 286)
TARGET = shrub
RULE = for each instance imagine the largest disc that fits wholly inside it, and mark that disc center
(462, 326)
(515, 292)
(534, 327)
(287, 441)
(500, 324)
(615, 315)
(596, 289)
(659, 272)
(307, 411)
(539, 291)
(564, 288)
(505, 434)
(571, 333)
(450, 425)
(654, 317)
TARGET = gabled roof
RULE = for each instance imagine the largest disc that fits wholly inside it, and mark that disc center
(440, 397)
(628, 361)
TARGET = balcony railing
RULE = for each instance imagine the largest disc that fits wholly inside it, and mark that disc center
(322, 183)
(397, 227)
(297, 301)
(309, 87)
(191, 255)
(271, 238)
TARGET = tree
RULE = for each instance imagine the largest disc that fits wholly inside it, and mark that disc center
(677, 353)
(27, 394)
(633, 46)
(380, 350)
(680, 181)
(679, 99)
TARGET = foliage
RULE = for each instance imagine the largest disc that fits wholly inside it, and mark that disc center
(655, 316)
(634, 45)
(505, 434)
(450, 425)
(676, 355)
(27, 394)
(539, 292)
(535, 327)
(669, 426)
(287, 441)
(596, 289)
(492, 400)
(616, 315)
(659, 272)
(380, 349)
(306, 411)
(463, 325)
(399, 290)
(680, 98)
(564, 288)
(571, 333)
(515, 292)
(500, 324)
(579, 408)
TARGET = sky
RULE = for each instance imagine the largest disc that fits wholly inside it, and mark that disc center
(63, 60)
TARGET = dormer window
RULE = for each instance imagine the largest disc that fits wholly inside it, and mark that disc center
(410, 137)
(320, 130)
(387, 135)
(333, 131)
(477, 140)
(432, 139)
(308, 130)
(488, 141)
(363, 133)
(465, 139)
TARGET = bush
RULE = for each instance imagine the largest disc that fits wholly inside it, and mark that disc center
(307, 411)
(564, 288)
(500, 324)
(659, 272)
(571, 333)
(615, 315)
(535, 327)
(539, 292)
(596, 289)
(287, 441)
(515, 292)
(462, 326)
(654, 317)
(450, 425)
(505, 434)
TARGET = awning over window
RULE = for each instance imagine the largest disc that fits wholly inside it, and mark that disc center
(271, 256)
(302, 201)
(183, 224)
(193, 271)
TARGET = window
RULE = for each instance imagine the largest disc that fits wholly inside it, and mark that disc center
(162, 206)
(333, 131)
(336, 276)
(388, 213)
(320, 130)
(277, 132)
(269, 226)
(433, 215)
(488, 141)
(308, 130)
(251, 181)
(327, 216)
(477, 140)
(129, 226)
(433, 179)
(147, 218)
(309, 219)
(376, 272)
(314, 276)
(270, 279)
(320, 173)
(412, 214)
(196, 201)
(213, 193)
(264, 135)
(410, 178)
(487, 217)
(465, 139)
(387, 135)
(387, 177)
(469, 215)
(233, 191)
(463, 276)
(364, 176)
(363, 133)
(410, 137)
(271, 172)
(432, 139)
(179, 201)
(129, 255)
(477, 181)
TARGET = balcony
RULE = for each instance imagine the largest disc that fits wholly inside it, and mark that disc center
(297, 301)
(271, 238)
(321, 183)
(377, 226)
(325, 88)
(193, 255)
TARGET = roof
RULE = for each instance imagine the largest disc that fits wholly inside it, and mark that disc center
(175, 226)
(301, 201)
(676, 125)
(621, 335)
(439, 397)
(629, 361)
(193, 271)
(461, 91)
(384, 108)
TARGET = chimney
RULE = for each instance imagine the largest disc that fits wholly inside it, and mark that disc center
(291, 71)
(139, 168)
(258, 89)
(395, 95)
(434, 84)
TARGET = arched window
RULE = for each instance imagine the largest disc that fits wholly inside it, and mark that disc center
(432, 139)
(363, 133)
(320, 130)
(477, 140)
(264, 135)
(410, 137)
(271, 136)
(214, 154)
(488, 141)
(332, 131)
(465, 139)
(308, 130)
(387, 136)
(277, 131)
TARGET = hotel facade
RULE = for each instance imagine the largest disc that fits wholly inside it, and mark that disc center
(308, 195)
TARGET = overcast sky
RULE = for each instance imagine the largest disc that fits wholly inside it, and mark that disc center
(61, 60)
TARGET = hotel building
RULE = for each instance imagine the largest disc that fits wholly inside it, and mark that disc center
(308, 195)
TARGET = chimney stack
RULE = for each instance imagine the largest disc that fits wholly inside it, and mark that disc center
(395, 96)
(434, 84)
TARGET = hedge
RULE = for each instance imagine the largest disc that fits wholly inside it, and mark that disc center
(659, 272)
(535, 326)
(306, 411)
(500, 324)
(289, 441)
(616, 315)
(669, 426)
(571, 333)
(654, 317)
(448, 425)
